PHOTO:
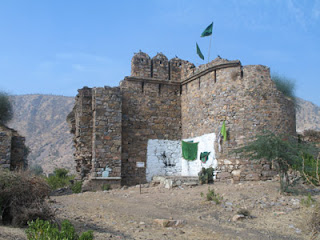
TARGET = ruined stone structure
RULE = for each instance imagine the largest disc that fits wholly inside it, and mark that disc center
(127, 134)
(13, 152)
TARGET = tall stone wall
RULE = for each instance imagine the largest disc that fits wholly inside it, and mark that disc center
(82, 128)
(106, 140)
(246, 99)
(150, 110)
(95, 122)
(13, 152)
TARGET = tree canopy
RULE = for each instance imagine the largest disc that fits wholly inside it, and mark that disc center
(6, 113)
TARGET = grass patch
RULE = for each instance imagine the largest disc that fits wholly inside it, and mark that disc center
(212, 196)
(59, 179)
(41, 230)
(308, 201)
(106, 187)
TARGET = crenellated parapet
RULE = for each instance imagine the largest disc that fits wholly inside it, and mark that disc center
(159, 67)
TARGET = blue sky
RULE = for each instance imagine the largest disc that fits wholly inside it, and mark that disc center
(58, 46)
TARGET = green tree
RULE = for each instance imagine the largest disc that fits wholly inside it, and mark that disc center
(284, 85)
(282, 150)
(5, 108)
(36, 169)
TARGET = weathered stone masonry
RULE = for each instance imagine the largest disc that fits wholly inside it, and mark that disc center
(173, 100)
(13, 152)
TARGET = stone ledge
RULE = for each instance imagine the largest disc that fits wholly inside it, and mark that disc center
(195, 76)
(152, 80)
(105, 178)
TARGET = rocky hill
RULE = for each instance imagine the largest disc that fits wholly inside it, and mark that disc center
(42, 120)
(308, 116)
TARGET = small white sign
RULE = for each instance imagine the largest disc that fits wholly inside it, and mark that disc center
(140, 164)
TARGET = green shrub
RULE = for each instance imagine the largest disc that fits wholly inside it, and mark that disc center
(22, 198)
(206, 175)
(61, 172)
(212, 196)
(284, 85)
(43, 230)
(59, 179)
(76, 187)
(106, 187)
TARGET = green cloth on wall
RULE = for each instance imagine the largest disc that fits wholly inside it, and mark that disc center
(189, 150)
(204, 156)
(224, 131)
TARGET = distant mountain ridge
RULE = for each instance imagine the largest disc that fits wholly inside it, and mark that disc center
(42, 120)
(307, 116)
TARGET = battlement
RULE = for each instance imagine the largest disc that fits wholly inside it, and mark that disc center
(173, 70)
(159, 67)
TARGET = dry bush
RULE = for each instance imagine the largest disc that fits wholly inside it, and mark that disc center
(22, 198)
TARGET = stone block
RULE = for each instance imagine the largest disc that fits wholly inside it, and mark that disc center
(252, 177)
(224, 176)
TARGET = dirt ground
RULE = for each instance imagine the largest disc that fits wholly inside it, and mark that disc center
(127, 214)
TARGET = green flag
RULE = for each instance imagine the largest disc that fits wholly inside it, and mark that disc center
(208, 31)
(199, 52)
(224, 131)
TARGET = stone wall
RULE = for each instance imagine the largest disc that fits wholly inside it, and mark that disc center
(95, 122)
(246, 99)
(106, 140)
(82, 129)
(13, 152)
(150, 110)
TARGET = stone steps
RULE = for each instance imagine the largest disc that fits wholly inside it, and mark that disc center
(174, 181)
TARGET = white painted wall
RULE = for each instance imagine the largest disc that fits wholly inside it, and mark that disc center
(206, 144)
(162, 152)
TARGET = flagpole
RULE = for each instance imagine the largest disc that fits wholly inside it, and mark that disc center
(209, 48)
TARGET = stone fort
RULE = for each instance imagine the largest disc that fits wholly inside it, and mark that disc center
(128, 134)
